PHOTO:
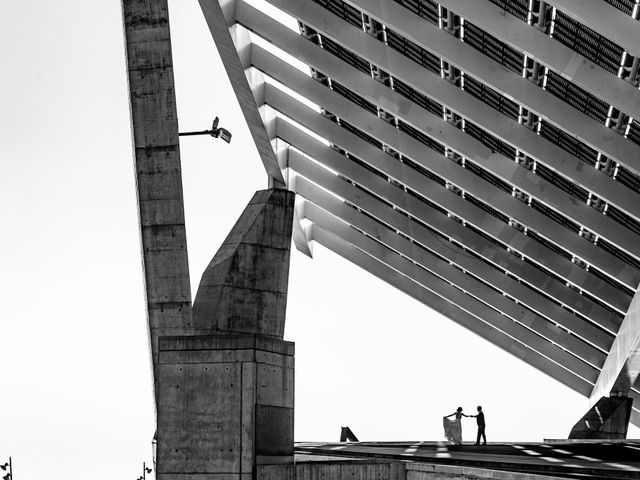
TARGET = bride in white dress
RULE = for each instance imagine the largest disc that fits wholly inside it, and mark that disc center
(453, 428)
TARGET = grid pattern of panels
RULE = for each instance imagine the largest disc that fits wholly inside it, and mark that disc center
(418, 135)
(555, 216)
(343, 10)
(491, 97)
(413, 51)
(490, 141)
(517, 8)
(493, 48)
(561, 182)
(346, 55)
(624, 219)
(569, 143)
(487, 208)
(577, 97)
(587, 42)
(548, 131)
(423, 8)
(488, 177)
(625, 6)
(360, 133)
(618, 253)
(357, 99)
(417, 97)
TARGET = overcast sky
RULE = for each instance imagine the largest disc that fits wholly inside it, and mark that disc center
(75, 378)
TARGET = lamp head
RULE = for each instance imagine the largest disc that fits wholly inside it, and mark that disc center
(7, 476)
(147, 469)
(4, 467)
(224, 135)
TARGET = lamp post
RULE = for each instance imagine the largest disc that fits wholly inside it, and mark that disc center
(215, 132)
(8, 476)
(145, 470)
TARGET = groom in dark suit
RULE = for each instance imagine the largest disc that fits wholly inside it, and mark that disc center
(481, 425)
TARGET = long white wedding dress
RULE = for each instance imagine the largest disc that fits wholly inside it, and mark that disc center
(453, 430)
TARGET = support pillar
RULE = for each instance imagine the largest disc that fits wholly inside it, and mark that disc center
(607, 419)
(225, 402)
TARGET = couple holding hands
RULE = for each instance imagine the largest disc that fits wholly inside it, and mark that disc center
(453, 428)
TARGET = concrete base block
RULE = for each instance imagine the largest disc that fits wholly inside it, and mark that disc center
(607, 419)
(225, 404)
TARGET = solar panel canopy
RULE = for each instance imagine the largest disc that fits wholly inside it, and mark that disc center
(481, 156)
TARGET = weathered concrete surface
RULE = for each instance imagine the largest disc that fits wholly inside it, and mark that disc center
(225, 404)
(225, 401)
(157, 163)
(607, 419)
(384, 470)
(244, 288)
(622, 365)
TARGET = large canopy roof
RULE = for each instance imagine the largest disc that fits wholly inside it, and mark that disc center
(482, 156)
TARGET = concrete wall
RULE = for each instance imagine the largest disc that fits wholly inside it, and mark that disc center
(225, 403)
(381, 470)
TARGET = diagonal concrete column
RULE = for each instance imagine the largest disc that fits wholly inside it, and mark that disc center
(225, 402)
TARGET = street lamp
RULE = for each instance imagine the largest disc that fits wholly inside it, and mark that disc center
(145, 470)
(8, 476)
(215, 132)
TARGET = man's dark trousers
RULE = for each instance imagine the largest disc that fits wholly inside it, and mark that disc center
(481, 434)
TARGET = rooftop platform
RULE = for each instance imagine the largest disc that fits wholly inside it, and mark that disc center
(551, 459)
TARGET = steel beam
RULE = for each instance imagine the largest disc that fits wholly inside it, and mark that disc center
(466, 58)
(549, 52)
(325, 209)
(451, 202)
(158, 173)
(450, 136)
(604, 19)
(491, 254)
(459, 176)
(419, 210)
(449, 95)
(476, 324)
(231, 45)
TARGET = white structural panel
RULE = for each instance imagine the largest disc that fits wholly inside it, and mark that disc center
(543, 265)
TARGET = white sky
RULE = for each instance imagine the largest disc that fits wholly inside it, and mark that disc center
(75, 385)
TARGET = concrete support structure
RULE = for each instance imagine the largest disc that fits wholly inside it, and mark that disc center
(607, 419)
(477, 127)
(225, 401)
(158, 172)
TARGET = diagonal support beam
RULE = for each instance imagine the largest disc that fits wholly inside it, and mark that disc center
(467, 59)
(446, 199)
(326, 209)
(449, 135)
(457, 175)
(158, 172)
(459, 315)
(410, 222)
(431, 85)
(231, 48)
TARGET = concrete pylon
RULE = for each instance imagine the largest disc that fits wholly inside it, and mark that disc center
(607, 419)
(225, 402)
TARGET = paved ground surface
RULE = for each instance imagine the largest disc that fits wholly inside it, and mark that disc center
(608, 460)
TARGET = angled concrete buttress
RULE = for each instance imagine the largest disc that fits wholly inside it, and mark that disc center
(226, 393)
(607, 419)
